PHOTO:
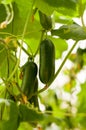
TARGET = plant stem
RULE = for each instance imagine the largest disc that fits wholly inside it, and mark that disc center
(25, 28)
(43, 31)
(13, 72)
(24, 50)
(81, 12)
(63, 62)
(23, 34)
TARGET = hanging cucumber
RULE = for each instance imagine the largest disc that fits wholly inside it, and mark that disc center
(47, 61)
(29, 77)
(34, 99)
(45, 21)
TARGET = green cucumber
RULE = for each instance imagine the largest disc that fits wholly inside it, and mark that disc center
(34, 99)
(45, 21)
(47, 61)
(29, 77)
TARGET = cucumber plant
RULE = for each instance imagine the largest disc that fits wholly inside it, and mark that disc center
(22, 24)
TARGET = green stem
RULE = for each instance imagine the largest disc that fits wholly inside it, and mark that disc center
(8, 64)
(2, 41)
(23, 34)
(81, 13)
(13, 72)
(43, 31)
(2, 111)
(9, 34)
(24, 50)
(2, 108)
(25, 28)
(82, 20)
(62, 64)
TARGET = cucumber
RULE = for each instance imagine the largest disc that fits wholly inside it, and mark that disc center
(47, 61)
(34, 99)
(45, 21)
(29, 77)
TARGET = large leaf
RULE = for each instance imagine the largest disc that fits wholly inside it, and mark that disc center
(25, 126)
(59, 18)
(62, 3)
(72, 31)
(81, 7)
(44, 7)
(3, 53)
(31, 115)
(8, 64)
(6, 1)
(22, 10)
(2, 13)
(65, 7)
(12, 123)
(33, 44)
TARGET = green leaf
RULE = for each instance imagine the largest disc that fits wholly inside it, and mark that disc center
(6, 1)
(33, 31)
(7, 65)
(3, 53)
(59, 18)
(33, 44)
(2, 90)
(44, 7)
(62, 6)
(25, 126)
(50, 119)
(12, 123)
(21, 10)
(66, 8)
(2, 13)
(8, 125)
(60, 45)
(72, 31)
(29, 115)
(67, 12)
(62, 3)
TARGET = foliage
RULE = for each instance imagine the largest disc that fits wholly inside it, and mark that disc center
(22, 29)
